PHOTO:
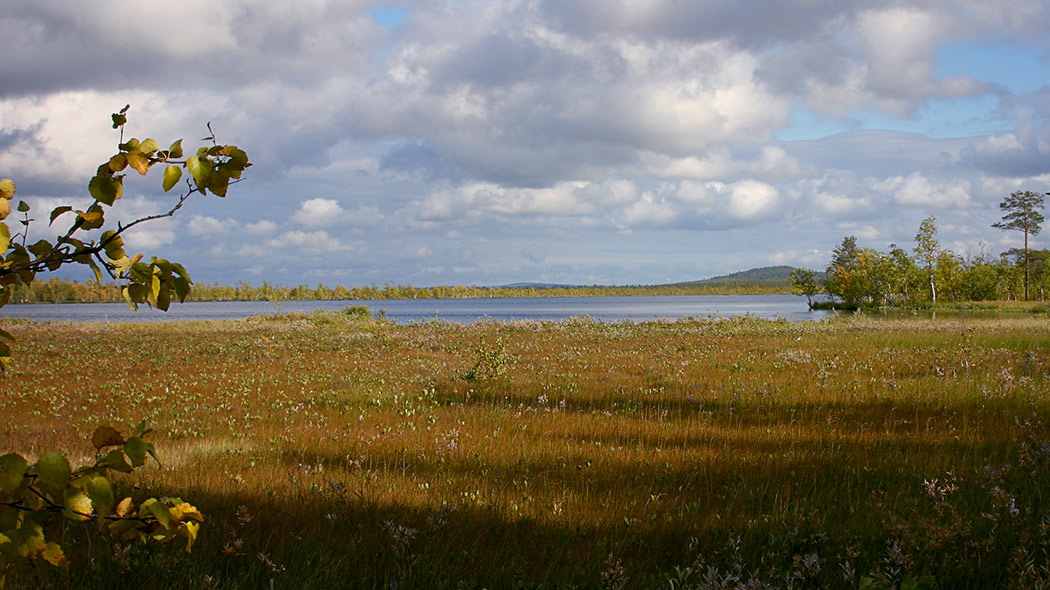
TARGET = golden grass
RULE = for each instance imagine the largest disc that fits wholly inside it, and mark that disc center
(545, 445)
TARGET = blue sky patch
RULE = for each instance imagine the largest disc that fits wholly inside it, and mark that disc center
(389, 16)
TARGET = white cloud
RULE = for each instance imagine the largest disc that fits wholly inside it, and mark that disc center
(727, 204)
(148, 239)
(315, 242)
(261, 227)
(328, 213)
(837, 204)
(562, 200)
(649, 210)
(753, 199)
(813, 259)
(201, 225)
(319, 213)
(916, 190)
(899, 46)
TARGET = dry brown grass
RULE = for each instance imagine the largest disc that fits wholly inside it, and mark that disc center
(535, 449)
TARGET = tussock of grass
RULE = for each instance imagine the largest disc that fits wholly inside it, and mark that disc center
(335, 450)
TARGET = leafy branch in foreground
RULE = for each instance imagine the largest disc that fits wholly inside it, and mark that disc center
(32, 496)
(212, 169)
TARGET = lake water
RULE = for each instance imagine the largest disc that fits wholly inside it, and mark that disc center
(405, 311)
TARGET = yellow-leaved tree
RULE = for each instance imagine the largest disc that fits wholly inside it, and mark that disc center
(34, 494)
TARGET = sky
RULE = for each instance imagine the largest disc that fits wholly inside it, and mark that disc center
(463, 142)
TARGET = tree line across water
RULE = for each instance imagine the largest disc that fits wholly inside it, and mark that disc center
(858, 277)
(57, 290)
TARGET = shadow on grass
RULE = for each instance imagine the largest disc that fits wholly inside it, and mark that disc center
(325, 534)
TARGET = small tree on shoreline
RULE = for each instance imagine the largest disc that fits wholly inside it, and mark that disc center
(927, 250)
(804, 282)
(1022, 215)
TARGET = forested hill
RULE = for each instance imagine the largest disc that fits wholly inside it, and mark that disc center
(770, 275)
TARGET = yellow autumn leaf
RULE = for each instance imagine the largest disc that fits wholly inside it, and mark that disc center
(124, 507)
(78, 504)
(189, 530)
(186, 510)
(53, 554)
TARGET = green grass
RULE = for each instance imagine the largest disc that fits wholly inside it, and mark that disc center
(330, 450)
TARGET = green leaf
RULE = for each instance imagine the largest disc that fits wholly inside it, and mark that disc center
(181, 271)
(119, 119)
(126, 529)
(106, 189)
(141, 428)
(175, 151)
(41, 248)
(5, 336)
(162, 265)
(12, 472)
(7, 189)
(115, 460)
(136, 450)
(108, 238)
(141, 272)
(152, 451)
(126, 292)
(135, 294)
(158, 510)
(101, 494)
(118, 162)
(182, 289)
(237, 156)
(23, 207)
(163, 298)
(53, 470)
(201, 169)
(149, 146)
(172, 174)
(219, 184)
(113, 244)
(5, 237)
(59, 211)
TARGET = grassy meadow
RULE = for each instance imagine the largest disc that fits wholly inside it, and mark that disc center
(331, 450)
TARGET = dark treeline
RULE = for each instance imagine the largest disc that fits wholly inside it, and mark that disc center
(56, 290)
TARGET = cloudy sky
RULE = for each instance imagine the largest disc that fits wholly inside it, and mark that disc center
(569, 141)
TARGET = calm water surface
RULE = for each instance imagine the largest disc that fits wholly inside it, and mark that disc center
(405, 311)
